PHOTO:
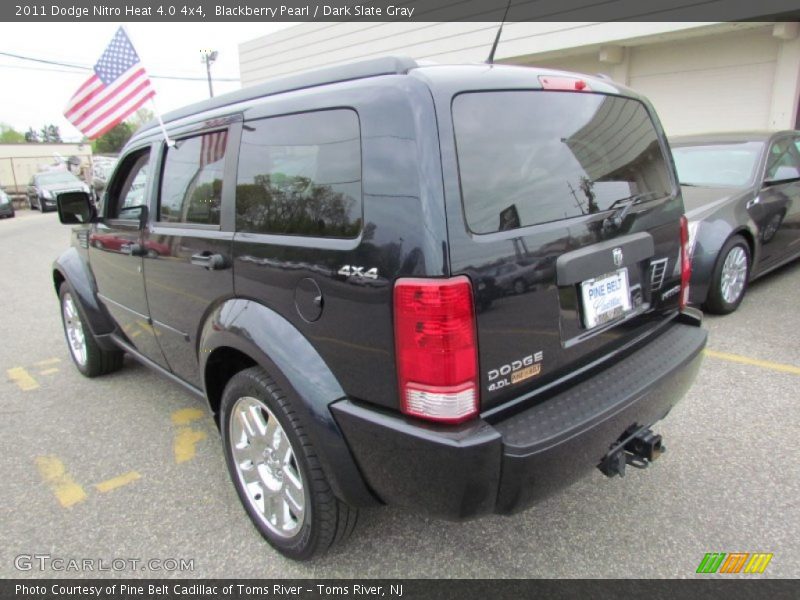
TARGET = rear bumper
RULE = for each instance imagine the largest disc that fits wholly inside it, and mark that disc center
(503, 467)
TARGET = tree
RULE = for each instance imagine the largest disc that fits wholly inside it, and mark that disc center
(53, 134)
(113, 140)
(48, 134)
(141, 117)
(9, 135)
(31, 136)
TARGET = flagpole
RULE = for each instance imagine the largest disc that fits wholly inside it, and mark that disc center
(170, 143)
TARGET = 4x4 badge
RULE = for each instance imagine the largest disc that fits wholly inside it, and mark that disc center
(358, 272)
(617, 254)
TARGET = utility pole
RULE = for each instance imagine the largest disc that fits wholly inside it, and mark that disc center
(208, 57)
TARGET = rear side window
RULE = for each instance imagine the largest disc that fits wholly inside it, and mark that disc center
(529, 157)
(301, 175)
(191, 184)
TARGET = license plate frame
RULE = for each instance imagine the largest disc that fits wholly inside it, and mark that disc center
(606, 298)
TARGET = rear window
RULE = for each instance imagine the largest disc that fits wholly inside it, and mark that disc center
(530, 157)
(717, 165)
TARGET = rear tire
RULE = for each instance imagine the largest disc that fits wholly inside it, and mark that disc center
(730, 277)
(90, 359)
(273, 463)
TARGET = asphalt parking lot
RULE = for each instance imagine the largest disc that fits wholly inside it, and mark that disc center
(130, 467)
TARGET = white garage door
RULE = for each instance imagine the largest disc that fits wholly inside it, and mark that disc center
(717, 83)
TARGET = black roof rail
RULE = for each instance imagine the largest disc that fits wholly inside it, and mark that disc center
(373, 67)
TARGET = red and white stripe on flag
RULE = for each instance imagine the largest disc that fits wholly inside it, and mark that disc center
(116, 89)
(212, 147)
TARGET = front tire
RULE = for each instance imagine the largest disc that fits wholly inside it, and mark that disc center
(275, 469)
(90, 359)
(730, 277)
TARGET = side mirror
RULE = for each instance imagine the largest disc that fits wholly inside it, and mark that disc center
(138, 212)
(75, 208)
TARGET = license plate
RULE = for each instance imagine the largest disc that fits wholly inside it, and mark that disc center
(605, 298)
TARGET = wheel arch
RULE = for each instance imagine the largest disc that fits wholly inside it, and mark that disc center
(241, 333)
(750, 238)
(71, 268)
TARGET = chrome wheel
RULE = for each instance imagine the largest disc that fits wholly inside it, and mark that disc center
(734, 275)
(267, 468)
(73, 326)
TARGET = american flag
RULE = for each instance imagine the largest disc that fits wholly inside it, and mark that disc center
(212, 147)
(117, 88)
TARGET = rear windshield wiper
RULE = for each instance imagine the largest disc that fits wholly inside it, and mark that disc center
(623, 207)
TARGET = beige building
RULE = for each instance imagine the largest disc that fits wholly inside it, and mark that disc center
(19, 162)
(700, 76)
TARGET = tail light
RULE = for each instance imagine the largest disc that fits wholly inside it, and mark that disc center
(436, 349)
(686, 263)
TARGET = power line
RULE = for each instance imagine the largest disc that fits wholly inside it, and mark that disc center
(46, 69)
(85, 68)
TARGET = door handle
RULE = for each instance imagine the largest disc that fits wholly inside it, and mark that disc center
(134, 249)
(751, 203)
(208, 261)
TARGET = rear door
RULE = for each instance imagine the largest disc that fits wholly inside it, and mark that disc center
(571, 197)
(187, 260)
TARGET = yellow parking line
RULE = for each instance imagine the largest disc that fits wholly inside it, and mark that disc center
(67, 491)
(46, 362)
(48, 371)
(117, 482)
(22, 378)
(187, 415)
(186, 440)
(765, 364)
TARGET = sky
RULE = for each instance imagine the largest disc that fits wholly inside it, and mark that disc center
(34, 94)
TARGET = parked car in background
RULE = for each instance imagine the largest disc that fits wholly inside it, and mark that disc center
(102, 168)
(44, 187)
(742, 197)
(6, 206)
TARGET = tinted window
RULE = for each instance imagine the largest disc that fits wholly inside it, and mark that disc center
(725, 165)
(301, 174)
(528, 157)
(191, 185)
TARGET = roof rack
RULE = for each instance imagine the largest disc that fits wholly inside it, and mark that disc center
(386, 65)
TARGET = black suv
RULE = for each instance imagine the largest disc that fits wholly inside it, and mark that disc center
(317, 257)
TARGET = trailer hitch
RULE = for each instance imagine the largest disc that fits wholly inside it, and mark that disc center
(637, 447)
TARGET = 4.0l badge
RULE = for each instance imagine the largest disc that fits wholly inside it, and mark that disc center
(515, 371)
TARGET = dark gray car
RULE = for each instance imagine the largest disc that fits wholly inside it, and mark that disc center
(6, 206)
(742, 197)
(44, 187)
